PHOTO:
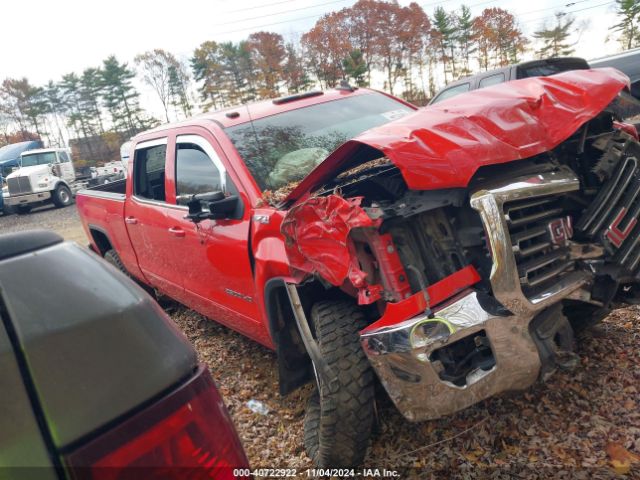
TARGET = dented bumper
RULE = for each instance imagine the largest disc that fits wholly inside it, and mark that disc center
(404, 359)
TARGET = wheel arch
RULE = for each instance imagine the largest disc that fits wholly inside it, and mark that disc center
(294, 363)
(62, 182)
(100, 239)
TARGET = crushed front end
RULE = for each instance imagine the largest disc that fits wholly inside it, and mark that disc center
(475, 290)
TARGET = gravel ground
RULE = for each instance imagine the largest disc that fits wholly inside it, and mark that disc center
(65, 221)
(572, 426)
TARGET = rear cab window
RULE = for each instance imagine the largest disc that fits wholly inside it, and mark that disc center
(149, 170)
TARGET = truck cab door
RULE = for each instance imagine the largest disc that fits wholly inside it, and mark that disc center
(213, 256)
(145, 216)
(66, 167)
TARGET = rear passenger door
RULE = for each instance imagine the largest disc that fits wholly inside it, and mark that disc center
(213, 256)
(146, 218)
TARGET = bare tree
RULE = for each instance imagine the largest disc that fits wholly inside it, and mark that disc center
(156, 67)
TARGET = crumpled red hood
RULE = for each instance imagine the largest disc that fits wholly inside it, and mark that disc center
(442, 146)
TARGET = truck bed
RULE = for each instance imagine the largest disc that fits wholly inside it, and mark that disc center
(115, 190)
(101, 209)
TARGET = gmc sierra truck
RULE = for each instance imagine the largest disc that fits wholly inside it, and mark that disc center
(450, 251)
(97, 382)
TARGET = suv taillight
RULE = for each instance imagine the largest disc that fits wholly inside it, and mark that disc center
(187, 434)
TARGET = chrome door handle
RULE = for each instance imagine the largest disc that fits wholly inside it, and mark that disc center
(131, 220)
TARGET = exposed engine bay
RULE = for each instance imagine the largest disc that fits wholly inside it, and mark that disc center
(590, 225)
(547, 241)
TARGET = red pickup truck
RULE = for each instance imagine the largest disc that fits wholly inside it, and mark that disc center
(451, 250)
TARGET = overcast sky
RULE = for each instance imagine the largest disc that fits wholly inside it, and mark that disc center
(44, 39)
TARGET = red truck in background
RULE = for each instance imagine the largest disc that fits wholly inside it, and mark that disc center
(451, 251)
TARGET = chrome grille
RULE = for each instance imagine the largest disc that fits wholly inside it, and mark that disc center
(19, 185)
(541, 253)
(527, 230)
(612, 217)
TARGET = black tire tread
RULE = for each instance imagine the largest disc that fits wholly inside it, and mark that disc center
(339, 418)
(113, 258)
(56, 197)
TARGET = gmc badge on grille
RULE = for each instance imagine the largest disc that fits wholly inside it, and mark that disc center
(616, 235)
(561, 230)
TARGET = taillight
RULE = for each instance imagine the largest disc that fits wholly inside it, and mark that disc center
(187, 434)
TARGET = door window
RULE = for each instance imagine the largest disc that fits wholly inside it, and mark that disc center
(64, 157)
(195, 171)
(452, 92)
(149, 172)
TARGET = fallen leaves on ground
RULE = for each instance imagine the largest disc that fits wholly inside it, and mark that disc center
(621, 458)
(571, 427)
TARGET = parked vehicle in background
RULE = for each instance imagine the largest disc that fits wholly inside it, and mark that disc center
(452, 252)
(97, 382)
(627, 62)
(9, 160)
(109, 172)
(44, 176)
(535, 68)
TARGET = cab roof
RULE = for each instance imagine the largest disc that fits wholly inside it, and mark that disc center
(44, 150)
(236, 115)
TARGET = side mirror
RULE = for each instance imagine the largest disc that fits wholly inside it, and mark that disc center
(212, 205)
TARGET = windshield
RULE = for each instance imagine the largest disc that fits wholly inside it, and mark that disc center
(38, 159)
(285, 147)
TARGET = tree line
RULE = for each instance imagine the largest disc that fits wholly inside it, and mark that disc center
(373, 42)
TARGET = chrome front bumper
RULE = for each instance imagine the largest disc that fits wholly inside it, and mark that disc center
(26, 199)
(407, 370)
(411, 378)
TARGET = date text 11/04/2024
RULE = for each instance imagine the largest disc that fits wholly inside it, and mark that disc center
(316, 473)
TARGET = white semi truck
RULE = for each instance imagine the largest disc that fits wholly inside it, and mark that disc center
(45, 176)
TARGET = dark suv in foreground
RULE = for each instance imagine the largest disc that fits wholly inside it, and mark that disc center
(96, 382)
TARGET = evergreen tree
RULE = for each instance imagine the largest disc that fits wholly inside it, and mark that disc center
(90, 94)
(629, 26)
(444, 37)
(355, 67)
(555, 39)
(207, 68)
(120, 98)
(56, 108)
(465, 38)
(294, 71)
(25, 103)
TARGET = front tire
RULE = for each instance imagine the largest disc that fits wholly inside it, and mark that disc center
(112, 257)
(62, 196)
(339, 417)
